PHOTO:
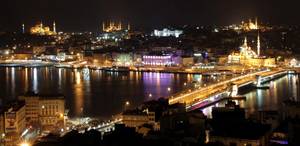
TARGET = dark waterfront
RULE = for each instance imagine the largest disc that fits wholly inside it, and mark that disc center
(102, 94)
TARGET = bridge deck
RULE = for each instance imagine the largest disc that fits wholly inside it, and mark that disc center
(203, 93)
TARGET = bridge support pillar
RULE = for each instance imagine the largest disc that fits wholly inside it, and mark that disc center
(258, 81)
(259, 85)
(234, 91)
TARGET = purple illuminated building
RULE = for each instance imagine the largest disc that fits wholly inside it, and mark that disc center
(161, 60)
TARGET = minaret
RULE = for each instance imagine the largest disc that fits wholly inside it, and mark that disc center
(256, 24)
(23, 28)
(54, 27)
(258, 45)
(103, 26)
(128, 26)
(245, 42)
(120, 25)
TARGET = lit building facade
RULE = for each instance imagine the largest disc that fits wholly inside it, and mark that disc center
(114, 31)
(114, 36)
(266, 62)
(161, 60)
(248, 57)
(114, 27)
(47, 111)
(52, 112)
(187, 61)
(166, 33)
(137, 118)
(250, 25)
(122, 59)
(32, 109)
(291, 62)
(14, 122)
(2, 132)
(14, 119)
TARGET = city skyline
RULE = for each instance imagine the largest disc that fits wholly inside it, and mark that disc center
(88, 16)
(150, 73)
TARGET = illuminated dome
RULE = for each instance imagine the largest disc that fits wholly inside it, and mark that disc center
(39, 29)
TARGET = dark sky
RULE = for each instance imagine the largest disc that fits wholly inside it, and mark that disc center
(87, 15)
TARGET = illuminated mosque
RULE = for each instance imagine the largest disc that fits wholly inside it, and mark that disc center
(250, 25)
(114, 27)
(246, 56)
(114, 31)
(40, 29)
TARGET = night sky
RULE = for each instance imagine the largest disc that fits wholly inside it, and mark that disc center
(87, 15)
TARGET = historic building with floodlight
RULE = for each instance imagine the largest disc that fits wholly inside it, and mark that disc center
(247, 56)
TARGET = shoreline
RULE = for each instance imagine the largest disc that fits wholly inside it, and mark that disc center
(120, 69)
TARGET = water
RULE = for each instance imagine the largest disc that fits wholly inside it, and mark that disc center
(91, 92)
(102, 94)
(281, 89)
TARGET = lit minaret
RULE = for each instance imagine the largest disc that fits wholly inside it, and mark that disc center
(103, 26)
(110, 24)
(120, 25)
(128, 26)
(245, 42)
(23, 28)
(256, 24)
(54, 27)
(258, 45)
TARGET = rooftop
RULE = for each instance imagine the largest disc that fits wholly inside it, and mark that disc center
(158, 53)
(44, 96)
(135, 112)
(14, 106)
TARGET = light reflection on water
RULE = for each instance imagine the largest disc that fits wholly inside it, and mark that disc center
(257, 100)
(102, 94)
(93, 92)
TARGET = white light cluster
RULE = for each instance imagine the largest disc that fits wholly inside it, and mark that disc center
(166, 33)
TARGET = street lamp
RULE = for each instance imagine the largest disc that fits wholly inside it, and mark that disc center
(61, 115)
(150, 95)
(169, 89)
(127, 103)
(2, 137)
